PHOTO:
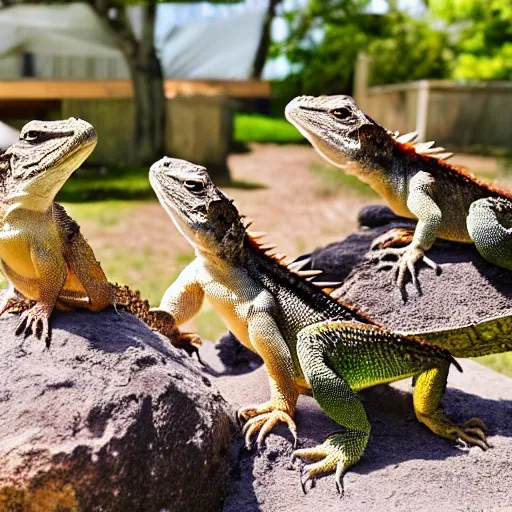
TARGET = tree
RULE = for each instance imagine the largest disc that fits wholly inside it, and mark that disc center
(265, 40)
(483, 37)
(325, 39)
(408, 49)
(143, 63)
(322, 44)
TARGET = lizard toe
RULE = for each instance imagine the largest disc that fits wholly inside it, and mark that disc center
(336, 454)
(264, 423)
(35, 321)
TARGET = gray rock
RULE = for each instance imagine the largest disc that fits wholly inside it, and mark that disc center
(468, 289)
(405, 466)
(108, 418)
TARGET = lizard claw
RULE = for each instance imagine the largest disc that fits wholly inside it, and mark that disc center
(264, 422)
(337, 453)
(189, 342)
(407, 257)
(35, 321)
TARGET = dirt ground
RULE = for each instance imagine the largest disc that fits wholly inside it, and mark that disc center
(278, 191)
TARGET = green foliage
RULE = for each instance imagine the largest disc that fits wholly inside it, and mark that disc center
(483, 50)
(408, 49)
(326, 37)
(323, 42)
(258, 128)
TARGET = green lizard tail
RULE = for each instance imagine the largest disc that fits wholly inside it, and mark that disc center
(338, 358)
(491, 336)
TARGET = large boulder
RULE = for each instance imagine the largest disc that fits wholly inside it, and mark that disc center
(110, 417)
(468, 289)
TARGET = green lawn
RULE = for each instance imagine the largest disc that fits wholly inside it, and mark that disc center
(258, 128)
(98, 184)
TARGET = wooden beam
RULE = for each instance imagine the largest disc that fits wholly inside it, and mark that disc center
(103, 89)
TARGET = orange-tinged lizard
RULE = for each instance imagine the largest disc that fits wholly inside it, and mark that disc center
(43, 255)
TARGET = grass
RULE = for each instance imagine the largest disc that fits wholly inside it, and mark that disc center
(106, 213)
(97, 184)
(332, 180)
(499, 362)
(258, 128)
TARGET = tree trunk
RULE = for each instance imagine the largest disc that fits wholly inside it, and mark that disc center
(264, 45)
(149, 95)
(149, 101)
(146, 74)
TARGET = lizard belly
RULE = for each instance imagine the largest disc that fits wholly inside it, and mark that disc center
(233, 309)
(17, 265)
(25, 282)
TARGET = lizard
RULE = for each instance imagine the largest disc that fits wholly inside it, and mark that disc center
(309, 341)
(44, 257)
(415, 181)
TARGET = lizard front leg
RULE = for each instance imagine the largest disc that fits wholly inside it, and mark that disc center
(182, 301)
(489, 224)
(420, 202)
(82, 262)
(268, 342)
(51, 271)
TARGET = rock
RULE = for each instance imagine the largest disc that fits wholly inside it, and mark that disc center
(108, 418)
(468, 289)
(405, 466)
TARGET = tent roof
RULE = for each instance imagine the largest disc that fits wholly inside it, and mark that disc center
(211, 47)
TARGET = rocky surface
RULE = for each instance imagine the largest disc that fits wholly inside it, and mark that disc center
(405, 466)
(468, 289)
(108, 418)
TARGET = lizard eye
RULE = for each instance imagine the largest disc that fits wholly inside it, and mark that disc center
(194, 186)
(341, 113)
(31, 136)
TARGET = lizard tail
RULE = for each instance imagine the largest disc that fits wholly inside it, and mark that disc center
(131, 301)
(157, 319)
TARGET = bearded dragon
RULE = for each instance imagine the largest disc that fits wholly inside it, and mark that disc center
(309, 342)
(46, 260)
(415, 181)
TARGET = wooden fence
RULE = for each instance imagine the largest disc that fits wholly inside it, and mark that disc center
(453, 114)
(199, 114)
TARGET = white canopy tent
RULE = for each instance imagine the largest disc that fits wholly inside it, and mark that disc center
(70, 42)
(8, 135)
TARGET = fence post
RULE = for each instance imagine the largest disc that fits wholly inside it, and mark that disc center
(422, 109)
(361, 78)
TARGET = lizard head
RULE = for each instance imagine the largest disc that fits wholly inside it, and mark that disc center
(34, 169)
(202, 213)
(340, 132)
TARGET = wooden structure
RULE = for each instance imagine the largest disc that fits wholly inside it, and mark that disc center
(457, 115)
(199, 113)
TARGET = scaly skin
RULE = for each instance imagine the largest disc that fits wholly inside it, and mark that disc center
(309, 342)
(43, 255)
(447, 201)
